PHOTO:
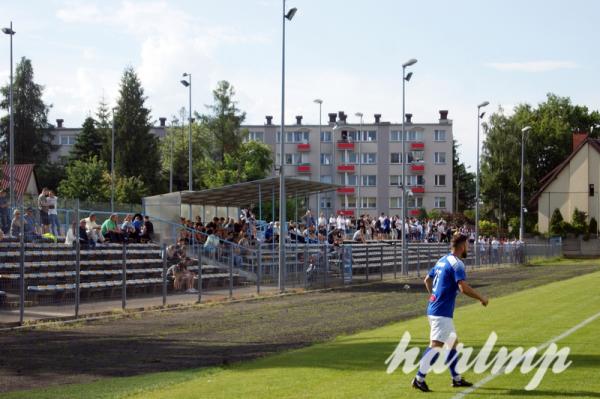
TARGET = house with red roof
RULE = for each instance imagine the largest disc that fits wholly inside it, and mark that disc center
(25, 180)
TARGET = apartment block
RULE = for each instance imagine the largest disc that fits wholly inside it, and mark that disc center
(366, 159)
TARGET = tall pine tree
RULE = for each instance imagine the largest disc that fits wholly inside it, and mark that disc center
(33, 136)
(104, 126)
(136, 149)
(89, 141)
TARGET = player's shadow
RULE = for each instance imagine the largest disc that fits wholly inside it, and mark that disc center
(540, 393)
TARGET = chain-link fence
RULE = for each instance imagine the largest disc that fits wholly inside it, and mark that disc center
(76, 273)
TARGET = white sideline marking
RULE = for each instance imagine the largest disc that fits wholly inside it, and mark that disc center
(490, 377)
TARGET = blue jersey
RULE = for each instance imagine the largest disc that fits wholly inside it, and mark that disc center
(446, 274)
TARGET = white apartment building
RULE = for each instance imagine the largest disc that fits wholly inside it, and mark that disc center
(366, 159)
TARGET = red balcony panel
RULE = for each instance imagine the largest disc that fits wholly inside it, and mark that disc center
(346, 190)
(305, 168)
(417, 146)
(414, 212)
(418, 189)
(417, 168)
(346, 212)
(345, 145)
(304, 147)
(345, 168)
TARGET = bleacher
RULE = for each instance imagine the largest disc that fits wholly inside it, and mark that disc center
(50, 272)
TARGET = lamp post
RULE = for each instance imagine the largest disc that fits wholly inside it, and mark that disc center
(282, 203)
(11, 134)
(405, 78)
(188, 83)
(172, 140)
(320, 102)
(112, 162)
(521, 213)
(358, 199)
(479, 117)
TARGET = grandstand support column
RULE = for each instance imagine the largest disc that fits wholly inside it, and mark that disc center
(259, 203)
(200, 274)
(259, 274)
(395, 260)
(231, 271)
(77, 262)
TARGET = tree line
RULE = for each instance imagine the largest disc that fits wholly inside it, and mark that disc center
(142, 161)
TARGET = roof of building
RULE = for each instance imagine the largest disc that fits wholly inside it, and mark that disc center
(244, 194)
(23, 173)
(553, 174)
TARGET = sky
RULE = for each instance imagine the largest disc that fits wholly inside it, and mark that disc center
(347, 52)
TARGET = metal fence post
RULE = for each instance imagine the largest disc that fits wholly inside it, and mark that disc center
(77, 261)
(124, 279)
(22, 267)
(231, 271)
(395, 259)
(418, 260)
(200, 253)
(381, 265)
(164, 274)
(259, 274)
(367, 264)
(326, 261)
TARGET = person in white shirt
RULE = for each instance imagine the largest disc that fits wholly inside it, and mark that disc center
(93, 229)
(340, 223)
(52, 202)
(322, 220)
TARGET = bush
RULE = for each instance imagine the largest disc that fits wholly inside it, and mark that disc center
(556, 227)
(593, 226)
(579, 224)
(487, 227)
(513, 224)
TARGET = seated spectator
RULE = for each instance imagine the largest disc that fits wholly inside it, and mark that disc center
(147, 230)
(84, 239)
(93, 229)
(15, 226)
(30, 227)
(182, 277)
(70, 237)
(128, 229)
(138, 223)
(359, 235)
(4, 212)
(211, 244)
(110, 229)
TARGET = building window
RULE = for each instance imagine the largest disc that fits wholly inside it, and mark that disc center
(395, 180)
(416, 156)
(325, 136)
(351, 201)
(368, 180)
(365, 135)
(396, 135)
(439, 202)
(395, 202)
(440, 157)
(414, 135)
(67, 140)
(349, 157)
(414, 202)
(349, 180)
(326, 179)
(325, 203)
(369, 158)
(395, 157)
(368, 202)
(255, 136)
(440, 180)
(439, 135)
(325, 158)
(294, 159)
(415, 180)
(294, 137)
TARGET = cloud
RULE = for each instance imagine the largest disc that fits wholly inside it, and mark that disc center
(80, 13)
(533, 66)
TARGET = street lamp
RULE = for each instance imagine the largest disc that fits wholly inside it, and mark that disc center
(320, 102)
(172, 133)
(112, 162)
(405, 78)
(188, 84)
(359, 139)
(521, 215)
(11, 134)
(282, 203)
(479, 117)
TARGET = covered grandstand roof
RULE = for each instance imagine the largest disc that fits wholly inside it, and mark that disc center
(244, 194)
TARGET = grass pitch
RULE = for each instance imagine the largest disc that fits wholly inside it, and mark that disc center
(353, 366)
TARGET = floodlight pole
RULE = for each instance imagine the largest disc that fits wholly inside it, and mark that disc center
(404, 158)
(11, 134)
(112, 164)
(477, 254)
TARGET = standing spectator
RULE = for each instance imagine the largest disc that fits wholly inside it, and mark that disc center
(43, 208)
(308, 220)
(16, 224)
(30, 226)
(4, 212)
(322, 220)
(52, 201)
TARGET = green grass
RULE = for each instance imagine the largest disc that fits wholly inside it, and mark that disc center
(353, 366)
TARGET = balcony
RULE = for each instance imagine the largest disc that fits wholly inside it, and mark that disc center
(417, 145)
(303, 147)
(417, 167)
(418, 189)
(303, 168)
(414, 212)
(346, 212)
(345, 145)
(346, 168)
(346, 190)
